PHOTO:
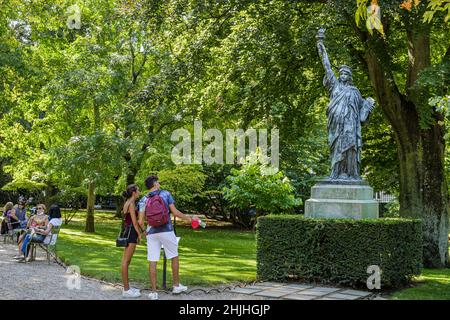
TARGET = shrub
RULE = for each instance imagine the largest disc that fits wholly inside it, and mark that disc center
(392, 209)
(185, 183)
(338, 251)
(249, 188)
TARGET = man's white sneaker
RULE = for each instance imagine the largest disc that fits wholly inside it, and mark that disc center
(179, 289)
(130, 293)
(135, 290)
(153, 295)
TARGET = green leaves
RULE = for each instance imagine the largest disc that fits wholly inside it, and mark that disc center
(250, 187)
(184, 182)
(435, 6)
(87, 159)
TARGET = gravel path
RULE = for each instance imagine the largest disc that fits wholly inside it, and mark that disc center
(38, 280)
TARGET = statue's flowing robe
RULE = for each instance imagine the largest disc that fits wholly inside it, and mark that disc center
(344, 127)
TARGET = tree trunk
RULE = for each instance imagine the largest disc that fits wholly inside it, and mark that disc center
(423, 187)
(119, 205)
(50, 192)
(90, 227)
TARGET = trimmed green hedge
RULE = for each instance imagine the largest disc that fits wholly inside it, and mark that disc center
(338, 251)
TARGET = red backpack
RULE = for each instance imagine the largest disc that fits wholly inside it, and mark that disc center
(156, 211)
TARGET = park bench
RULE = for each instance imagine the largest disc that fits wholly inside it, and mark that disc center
(49, 246)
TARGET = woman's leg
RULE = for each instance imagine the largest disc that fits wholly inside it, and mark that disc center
(19, 242)
(126, 259)
(25, 243)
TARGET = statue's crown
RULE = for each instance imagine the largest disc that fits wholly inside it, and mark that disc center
(345, 68)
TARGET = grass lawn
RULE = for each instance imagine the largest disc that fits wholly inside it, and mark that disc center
(433, 284)
(207, 256)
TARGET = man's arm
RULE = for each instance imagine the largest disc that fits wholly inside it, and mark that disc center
(179, 214)
(141, 208)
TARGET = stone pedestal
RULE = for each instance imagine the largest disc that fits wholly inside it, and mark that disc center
(341, 199)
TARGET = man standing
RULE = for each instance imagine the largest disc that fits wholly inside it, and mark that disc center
(161, 235)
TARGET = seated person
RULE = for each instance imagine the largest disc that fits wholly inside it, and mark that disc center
(42, 235)
(6, 213)
(9, 218)
(35, 223)
(55, 221)
(21, 213)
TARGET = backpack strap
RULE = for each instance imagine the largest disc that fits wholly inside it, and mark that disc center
(149, 196)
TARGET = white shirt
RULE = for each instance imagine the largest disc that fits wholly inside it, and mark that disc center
(55, 222)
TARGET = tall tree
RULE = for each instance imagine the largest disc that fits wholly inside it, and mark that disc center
(406, 69)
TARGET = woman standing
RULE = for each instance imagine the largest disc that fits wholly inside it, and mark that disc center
(133, 232)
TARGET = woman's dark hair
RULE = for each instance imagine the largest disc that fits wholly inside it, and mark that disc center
(54, 212)
(150, 181)
(129, 192)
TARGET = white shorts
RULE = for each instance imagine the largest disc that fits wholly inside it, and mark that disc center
(154, 242)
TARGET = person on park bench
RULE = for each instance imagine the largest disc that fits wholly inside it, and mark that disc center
(10, 217)
(38, 221)
(40, 234)
(162, 234)
(20, 212)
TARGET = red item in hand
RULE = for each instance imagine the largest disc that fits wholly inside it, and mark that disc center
(195, 223)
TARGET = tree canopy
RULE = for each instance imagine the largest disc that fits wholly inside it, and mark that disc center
(91, 93)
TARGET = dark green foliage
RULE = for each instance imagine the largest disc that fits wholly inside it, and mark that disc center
(380, 159)
(338, 251)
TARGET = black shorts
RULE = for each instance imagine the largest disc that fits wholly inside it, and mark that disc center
(133, 238)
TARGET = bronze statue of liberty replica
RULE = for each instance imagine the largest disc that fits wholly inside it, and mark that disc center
(346, 112)
(343, 194)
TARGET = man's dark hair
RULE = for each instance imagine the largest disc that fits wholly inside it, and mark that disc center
(150, 181)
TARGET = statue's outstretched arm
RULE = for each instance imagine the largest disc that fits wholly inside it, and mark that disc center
(324, 55)
(329, 79)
